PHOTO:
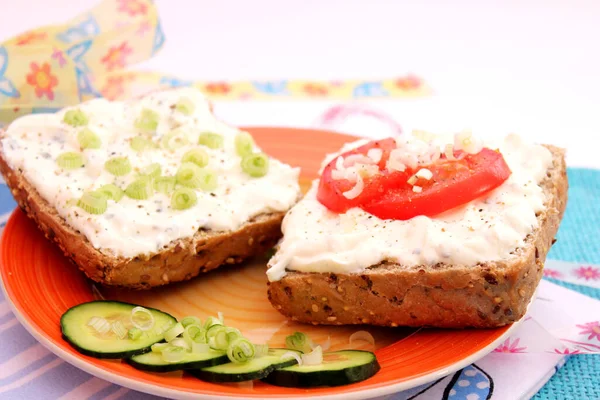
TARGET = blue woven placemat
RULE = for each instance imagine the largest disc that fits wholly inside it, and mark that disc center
(578, 241)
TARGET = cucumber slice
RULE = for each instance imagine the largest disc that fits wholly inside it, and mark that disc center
(256, 368)
(338, 368)
(75, 329)
(154, 361)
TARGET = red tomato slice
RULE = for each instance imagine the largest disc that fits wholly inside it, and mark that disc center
(389, 195)
(330, 192)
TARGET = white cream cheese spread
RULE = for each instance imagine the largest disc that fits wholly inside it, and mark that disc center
(132, 227)
(489, 228)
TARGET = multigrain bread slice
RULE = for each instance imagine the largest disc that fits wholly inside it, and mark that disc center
(182, 260)
(490, 294)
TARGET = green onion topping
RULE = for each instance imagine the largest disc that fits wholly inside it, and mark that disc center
(299, 341)
(93, 202)
(111, 192)
(75, 118)
(164, 184)
(140, 189)
(255, 165)
(183, 198)
(88, 139)
(211, 140)
(147, 121)
(240, 350)
(210, 321)
(189, 174)
(134, 333)
(140, 143)
(175, 331)
(196, 156)
(244, 144)
(173, 354)
(185, 106)
(153, 170)
(70, 160)
(118, 166)
(174, 140)
(190, 321)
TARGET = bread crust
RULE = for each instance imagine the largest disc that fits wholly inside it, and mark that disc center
(487, 295)
(181, 260)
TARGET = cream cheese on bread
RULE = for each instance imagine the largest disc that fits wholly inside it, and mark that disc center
(129, 228)
(486, 229)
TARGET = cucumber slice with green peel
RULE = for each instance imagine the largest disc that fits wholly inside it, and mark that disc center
(154, 361)
(86, 340)
(257, 368)
(338, 368)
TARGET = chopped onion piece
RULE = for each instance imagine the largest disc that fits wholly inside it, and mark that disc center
(412, 180)
(220, 316)
(100, 325)
(424, 173)
(175, 331)
(173, 354)
(358, 159)
(180, 342)
(362, 335)
(142, 318)
(291, 354)
(191, 320)
(375, 154)
(200, 348)
(315, 357)
(339, 163)
(356, 190)
(159, 347)
(118, 329)
(417, 189)
(325, 346)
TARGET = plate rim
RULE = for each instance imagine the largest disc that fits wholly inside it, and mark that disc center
(177, 393)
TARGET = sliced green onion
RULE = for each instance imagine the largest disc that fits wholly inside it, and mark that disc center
(134, 333)
(191, 320)
(153, 170)
(93, 202)
(221, 317)
(244, 144)
(196, 156)
(189, 174)
(261, 349)
(88, 139)
(70, 160)
(140, 189)
(191, 331)
(220, 340)
(212, 332)
(180, 342)
(118, 329)
(175, 331)
(159, 347)
(200, 337)
(100, 325)
(164, 184)
(241, 351)
(208, 180)
(185, 106)
(173, 354)
(299, 341)
(211, 140)
(147, 121)
(183, 198)
(315, 357)
(118, 166)
(210, 321)
(140, 143)
(112, 192)
(174, 140)
(142, 318)
(255, 165)
(200, 348)
(75, 118)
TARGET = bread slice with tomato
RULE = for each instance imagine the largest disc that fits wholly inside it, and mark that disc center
(421, 231)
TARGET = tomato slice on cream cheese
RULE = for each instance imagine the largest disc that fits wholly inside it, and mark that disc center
(384, 179)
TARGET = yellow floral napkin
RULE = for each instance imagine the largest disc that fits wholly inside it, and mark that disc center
(51, 67)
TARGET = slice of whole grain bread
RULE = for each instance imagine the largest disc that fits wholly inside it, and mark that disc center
(180, 260)
(490, 294)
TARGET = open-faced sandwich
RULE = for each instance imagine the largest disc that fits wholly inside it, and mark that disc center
(421, 231)
(149, 191)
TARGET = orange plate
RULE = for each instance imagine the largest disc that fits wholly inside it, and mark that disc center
(42, 285)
